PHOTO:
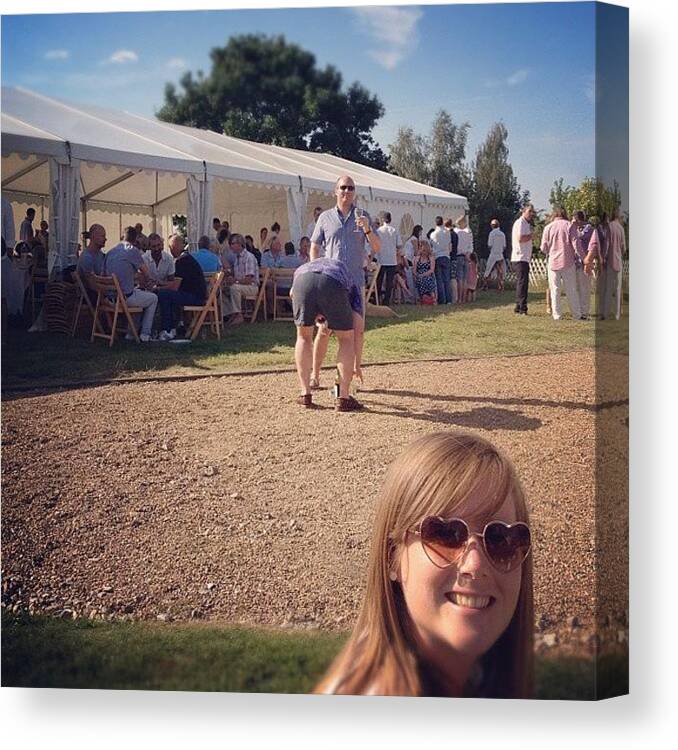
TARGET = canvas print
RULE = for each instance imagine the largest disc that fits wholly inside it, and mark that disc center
(315, 351)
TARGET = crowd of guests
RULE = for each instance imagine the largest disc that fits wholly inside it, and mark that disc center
(151, 276)
(577, 251)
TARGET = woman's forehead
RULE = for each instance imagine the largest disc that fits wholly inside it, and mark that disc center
(482, 504)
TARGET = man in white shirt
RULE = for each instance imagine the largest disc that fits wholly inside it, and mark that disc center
(159, 262)
(464, 249)
(309, 229)
(521, 255)
(496, 243)
(391, 244)
(244, 279)
(441, 244)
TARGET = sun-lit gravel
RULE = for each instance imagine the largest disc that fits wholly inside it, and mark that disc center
(220, 499)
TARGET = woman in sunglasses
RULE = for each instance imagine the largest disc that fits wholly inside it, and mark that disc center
(448, 607)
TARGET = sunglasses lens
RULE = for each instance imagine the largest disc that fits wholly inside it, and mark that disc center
(507, 546)
(443, 540)
(350, 188)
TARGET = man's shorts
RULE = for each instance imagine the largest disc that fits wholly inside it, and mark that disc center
(460, 270)
(316, 294)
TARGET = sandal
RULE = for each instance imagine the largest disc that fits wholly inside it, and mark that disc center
(314, 384)
(348, 404)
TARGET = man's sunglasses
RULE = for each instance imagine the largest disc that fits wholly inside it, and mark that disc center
(444, 542)
(350, 188)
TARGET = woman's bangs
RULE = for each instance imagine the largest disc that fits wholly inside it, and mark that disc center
(486, 475)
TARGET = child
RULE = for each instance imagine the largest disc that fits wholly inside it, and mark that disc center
(471, 277)
(424, 271)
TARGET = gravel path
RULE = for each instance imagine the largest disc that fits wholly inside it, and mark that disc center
(219, 499)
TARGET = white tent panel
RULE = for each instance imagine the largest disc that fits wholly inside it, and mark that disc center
(133, 167)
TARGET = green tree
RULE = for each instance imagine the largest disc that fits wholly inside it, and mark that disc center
(495, 193)
(437, 159)
(409, 156)
(447, 156)
(266, 90)
(592, 197)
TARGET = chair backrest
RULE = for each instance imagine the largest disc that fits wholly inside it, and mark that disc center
(282, 274)
(214, 282)
(105, 284)
(83, 290)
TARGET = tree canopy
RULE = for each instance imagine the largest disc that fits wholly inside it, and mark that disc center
(437, 159)
(267, 90)
(495, 192)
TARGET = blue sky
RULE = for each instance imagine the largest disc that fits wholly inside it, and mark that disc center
(529, 65)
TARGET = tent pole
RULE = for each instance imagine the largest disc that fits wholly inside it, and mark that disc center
(84, 214)
(120, 222)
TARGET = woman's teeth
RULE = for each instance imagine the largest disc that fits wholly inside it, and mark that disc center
(471, 602)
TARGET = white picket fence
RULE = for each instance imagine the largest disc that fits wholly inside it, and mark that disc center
(539, 276)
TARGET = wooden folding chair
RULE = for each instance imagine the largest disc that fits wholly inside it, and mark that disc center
(258, 299)
(83, 303)
(112, 303)
(372, 290)
(200, 313)
(281, 274)
(38, 275)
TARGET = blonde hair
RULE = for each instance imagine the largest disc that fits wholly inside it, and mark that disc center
(422, 244)
(432, 476)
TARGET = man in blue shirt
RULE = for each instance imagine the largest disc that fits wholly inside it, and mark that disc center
(343, 236)
(208, 261)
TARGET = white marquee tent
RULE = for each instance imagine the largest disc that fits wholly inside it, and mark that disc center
(79, 164)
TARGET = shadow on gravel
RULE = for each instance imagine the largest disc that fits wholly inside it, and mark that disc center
(485, 418)
(572, 405)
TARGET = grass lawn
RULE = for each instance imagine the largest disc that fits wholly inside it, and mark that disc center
(485, 328)
(46, 652)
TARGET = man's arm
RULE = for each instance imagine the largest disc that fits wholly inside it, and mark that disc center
(315, 250)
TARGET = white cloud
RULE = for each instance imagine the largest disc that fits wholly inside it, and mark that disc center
(393, 30)
(176, 63)
(519, 76)
(122, 56)
(57, 54)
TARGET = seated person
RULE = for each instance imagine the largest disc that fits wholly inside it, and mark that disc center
(91, 259)
(124, 261)
(207, 260)
(304, 250)
(273, 258)
(159, 262)
(188, 287)
(243, 279)
(290, 259)
(249, 246)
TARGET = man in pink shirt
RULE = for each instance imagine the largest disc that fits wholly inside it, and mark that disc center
(608, 243)
(558, 243)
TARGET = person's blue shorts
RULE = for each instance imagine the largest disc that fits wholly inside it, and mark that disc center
(461, 268)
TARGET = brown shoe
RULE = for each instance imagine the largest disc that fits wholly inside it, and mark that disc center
(347, 404)
(306, 401)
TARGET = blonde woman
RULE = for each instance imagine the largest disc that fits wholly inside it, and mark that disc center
(448, 607)
(424, 272)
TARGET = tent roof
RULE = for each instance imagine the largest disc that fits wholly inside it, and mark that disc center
(38, 125)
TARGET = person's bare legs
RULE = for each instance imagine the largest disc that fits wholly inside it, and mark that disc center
(320, 345)
(345, 361)
(358, 341)
(303, 357)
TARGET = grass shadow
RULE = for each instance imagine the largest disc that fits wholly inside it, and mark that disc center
(53, 653)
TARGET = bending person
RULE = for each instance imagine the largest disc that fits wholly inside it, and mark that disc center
(323, 289)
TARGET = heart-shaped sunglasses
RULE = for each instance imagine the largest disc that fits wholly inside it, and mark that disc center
(506, 545)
